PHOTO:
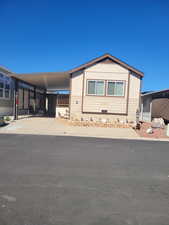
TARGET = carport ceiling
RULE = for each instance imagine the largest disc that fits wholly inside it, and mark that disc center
(48, 80)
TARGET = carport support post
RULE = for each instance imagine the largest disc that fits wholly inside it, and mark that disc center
(150, 110)
(16, 100)
(34, 99)
(44, 99)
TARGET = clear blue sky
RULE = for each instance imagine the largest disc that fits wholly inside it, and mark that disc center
(51, 35)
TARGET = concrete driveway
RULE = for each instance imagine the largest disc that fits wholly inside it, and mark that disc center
(56, 180)
(52, 126)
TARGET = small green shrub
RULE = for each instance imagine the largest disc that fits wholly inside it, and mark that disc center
(7, 118)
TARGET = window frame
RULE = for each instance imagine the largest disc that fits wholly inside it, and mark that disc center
(96, 80)
(8, 82)
(116, 81)
(2, 88)
(106, 81)
(5, 79)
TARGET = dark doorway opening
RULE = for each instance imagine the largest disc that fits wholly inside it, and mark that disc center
(51, 105)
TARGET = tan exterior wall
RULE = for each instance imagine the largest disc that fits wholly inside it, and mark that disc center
(76, 94)
(134, 96)
(122, 108)
(111, 104)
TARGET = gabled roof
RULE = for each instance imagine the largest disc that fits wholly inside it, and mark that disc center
(61, 80)
(107, 56)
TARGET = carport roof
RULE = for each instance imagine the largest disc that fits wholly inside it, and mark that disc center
(156, 93)
(46, 80)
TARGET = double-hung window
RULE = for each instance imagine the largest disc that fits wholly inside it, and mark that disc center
(1, 88)
(96, 87)
(115, 88)
(4, 87)
(7, 88)
(106, 88)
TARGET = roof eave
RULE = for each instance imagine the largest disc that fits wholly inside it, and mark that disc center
(155, 92)
(5, 69)
(96, 60)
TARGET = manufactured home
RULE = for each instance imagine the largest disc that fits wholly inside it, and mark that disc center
(103, 88)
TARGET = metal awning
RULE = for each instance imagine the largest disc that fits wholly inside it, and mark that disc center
(46, 80)
(157, 94)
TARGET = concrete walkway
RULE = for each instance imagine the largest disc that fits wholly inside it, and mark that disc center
(52, 126)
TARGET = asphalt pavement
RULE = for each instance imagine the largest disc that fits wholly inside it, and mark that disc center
(59, 180)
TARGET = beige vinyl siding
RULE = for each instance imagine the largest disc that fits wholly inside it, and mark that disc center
(76, 94)
(134, 96)
(110, 103)
(85, 106)
(107, 67)
(77, 84)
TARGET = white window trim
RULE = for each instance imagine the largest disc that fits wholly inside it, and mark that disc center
(4, 83)
(116, 81)
(95, 94)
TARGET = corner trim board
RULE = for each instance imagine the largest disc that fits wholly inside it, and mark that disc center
(128, 90)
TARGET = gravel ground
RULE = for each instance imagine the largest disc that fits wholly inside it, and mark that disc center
(158, 133)
(53, 126)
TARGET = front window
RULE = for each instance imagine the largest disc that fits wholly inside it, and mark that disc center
(7, 89)
(96, 87)
(4, 86)
(1, 88)
(115, 88)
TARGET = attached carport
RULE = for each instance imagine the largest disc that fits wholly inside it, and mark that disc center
(31, 91)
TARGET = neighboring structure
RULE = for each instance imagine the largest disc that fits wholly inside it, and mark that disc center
(155, 105)
(105, 88)
(6, 92)
(18, 97)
